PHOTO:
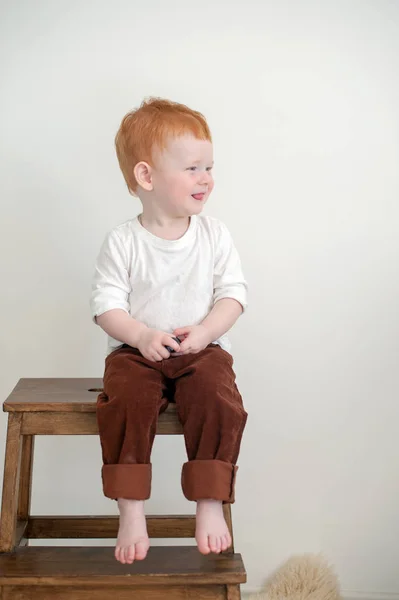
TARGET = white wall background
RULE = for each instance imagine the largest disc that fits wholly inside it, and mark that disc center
(302, 98)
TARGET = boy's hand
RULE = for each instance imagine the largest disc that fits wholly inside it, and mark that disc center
(195, 339)
(152, 344)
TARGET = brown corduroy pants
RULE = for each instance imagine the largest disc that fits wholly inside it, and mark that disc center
(209, 406)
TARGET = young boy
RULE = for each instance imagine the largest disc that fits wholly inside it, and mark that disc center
(167, 287)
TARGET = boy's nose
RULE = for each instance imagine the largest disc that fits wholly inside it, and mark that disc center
(205, 177)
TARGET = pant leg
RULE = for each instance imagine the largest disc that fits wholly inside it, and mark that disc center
(211, 410)
(127, 414)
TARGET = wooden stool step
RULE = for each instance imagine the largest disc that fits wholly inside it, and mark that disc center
(63, 573)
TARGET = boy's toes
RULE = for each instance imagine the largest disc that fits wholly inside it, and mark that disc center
(129, 554)
(225, 543)
(141, 550)
(117, 553)
(122, 556)
(213, 543)
(203, 544)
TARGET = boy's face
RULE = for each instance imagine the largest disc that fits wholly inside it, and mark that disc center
(182, 175)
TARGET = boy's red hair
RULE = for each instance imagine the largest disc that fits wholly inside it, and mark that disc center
(150, 126)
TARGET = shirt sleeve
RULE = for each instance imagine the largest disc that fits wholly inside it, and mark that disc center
(228, 278)
(111, 283)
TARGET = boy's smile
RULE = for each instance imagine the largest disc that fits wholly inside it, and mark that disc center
(199, 196)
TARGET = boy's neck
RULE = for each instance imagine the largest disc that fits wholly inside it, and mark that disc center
(167, 228)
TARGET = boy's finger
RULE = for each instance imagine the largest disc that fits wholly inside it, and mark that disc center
(184, 346)
(171, 342)
(163, 352)
(182, 331)
(182, 336)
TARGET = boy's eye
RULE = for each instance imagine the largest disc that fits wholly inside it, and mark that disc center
(195, 168)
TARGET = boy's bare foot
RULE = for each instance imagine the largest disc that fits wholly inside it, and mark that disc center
(132, 543)
(212, 533)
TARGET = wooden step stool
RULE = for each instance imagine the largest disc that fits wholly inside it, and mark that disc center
(68, 407)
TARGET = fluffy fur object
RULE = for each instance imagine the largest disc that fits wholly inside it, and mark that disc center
(307, 577)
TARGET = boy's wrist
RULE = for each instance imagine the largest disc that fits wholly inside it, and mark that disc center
(222, 317)
(136, 332)
(208, 329)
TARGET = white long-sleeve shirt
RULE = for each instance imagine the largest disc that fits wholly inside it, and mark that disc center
(167, 284)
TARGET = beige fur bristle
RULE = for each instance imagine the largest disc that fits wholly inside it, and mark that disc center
(306, 577)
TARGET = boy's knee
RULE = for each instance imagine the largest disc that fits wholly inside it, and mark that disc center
(215, 372)
(135, 395)
(228, 403)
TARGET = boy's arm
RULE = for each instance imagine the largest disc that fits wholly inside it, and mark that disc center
(110, 293)
(111, 283)
(230, 298)
(222, 317)
(121, 326)
(228, 278)
(110, 303)
(151, 342)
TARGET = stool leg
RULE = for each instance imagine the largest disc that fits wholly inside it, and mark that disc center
(233, 592)
(25, 481)
(228, 519)
(9, 505)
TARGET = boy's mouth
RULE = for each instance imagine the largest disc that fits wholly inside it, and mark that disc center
(199, 196)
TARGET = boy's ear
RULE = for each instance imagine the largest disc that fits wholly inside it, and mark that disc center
(143, 175)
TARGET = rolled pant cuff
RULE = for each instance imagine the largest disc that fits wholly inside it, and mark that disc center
(209, 479)
(132, 481)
